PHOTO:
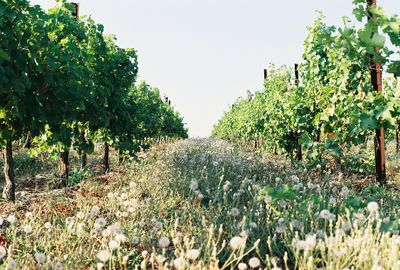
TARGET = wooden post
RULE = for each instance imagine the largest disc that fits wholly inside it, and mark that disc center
(76, 11)
(376, 81)
(296, 75)
(398, 128)
(297, 82)
(265, 78)
(64, 167)
(9, 187)
(82, 153)
(106, 158)
(83, 159)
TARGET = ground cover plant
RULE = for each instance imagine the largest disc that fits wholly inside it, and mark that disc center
(205, 204)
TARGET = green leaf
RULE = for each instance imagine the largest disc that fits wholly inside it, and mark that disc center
(2, 114)
(368, 122)
(4, 55)
(353, 202)
(333, 147)
(377, 41)
(378, 11)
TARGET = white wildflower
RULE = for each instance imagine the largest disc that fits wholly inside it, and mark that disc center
(298, 186)
(135, 240)
(113, 244)
(386, 220)
(120, 238)
(373, 207)
(58, 266)
(310, 185)
(237, 242)
(123, 196)
(307, 244)
(12, 219)
(282, 203)
(294, 178)
(100, 223)
(40, 258)
(28, 215)
(194, 185)
(47, 225)
(157, 225)
(80, 215)
(325, 214)
(242, 266)
(254, 262)
(193, 254)
(12, 264)
(28, 228)
(234, 212)
(106, 233)
(104, 255)
(344, 192)
(69, 221)
(3, 252)
(115, 228)
(227, 186)
(180, 263)
(94, 211)
(200, 197)
(311, 241)
(164, 242)
(132, 185)
(332, 201)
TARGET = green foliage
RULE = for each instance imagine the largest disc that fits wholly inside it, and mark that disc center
(77, 176)
(335, 101)
(69, 84)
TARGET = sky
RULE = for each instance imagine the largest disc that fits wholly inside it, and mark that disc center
(204, 54)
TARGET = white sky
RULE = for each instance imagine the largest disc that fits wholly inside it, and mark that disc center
(204, 54)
